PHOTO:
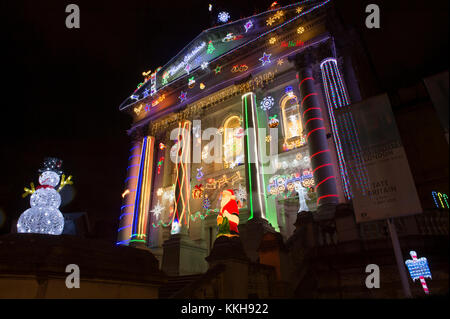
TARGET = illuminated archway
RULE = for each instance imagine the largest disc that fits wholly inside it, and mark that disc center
(292, 122)
(232, 140)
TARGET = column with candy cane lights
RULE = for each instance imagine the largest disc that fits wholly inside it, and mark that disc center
(418, 269)
(311, 111)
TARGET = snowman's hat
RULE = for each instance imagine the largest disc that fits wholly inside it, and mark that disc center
(51, 164)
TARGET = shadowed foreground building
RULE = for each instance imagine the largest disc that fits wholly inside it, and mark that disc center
(34, 265)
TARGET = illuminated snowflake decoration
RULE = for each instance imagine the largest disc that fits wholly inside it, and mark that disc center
(267, 103)
(157, 210)
(265, 59)
(241, 193)
(248, 25)
(204, 65)
(146, 93)
(280, 62)
(223, 17)
(169, 196)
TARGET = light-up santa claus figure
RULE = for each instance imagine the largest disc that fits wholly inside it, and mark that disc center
(44, 216)
(228, 218)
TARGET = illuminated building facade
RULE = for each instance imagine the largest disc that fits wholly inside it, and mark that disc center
(202, 123)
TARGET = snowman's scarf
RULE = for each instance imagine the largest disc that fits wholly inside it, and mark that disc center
(44, 186)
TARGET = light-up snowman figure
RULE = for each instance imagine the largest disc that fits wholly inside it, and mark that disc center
(44, 216)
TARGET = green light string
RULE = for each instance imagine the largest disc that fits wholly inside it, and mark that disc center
(248, 161)
(262, 166)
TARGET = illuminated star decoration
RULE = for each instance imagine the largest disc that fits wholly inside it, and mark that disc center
(223, 17)
(157, 210)
(217, 69)
(182, 96)
(248, 25)
(280, 62)
(204, 65)
(265, 59)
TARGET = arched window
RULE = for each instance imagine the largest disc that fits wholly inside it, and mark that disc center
(292, 122)
(232, 141)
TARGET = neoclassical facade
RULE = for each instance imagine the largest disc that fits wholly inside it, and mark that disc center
(237, 94)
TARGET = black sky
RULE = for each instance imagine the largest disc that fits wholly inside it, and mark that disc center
(62, 87)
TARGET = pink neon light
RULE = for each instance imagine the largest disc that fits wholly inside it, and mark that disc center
(314, 118)
(310, 78)
(310, 94)
(324, 196)
(329, 177)
(311, 108)
(318, 153)
(329, 164)
(319, 128)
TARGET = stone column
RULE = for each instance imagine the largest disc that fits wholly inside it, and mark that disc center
(182, 180)
(181, 255)
(143, 193)
(253, 174)
(127, 208)
(313, 119)
(252, 231)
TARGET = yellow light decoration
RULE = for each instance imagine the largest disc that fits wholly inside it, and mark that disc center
(275, 17)
(146, 185)
(300, 30)
(268, 138)
(299, 156)
(28, 191)
(159, 192)
(138, 110)
(202, 86)
(146, 73)
(197, 192)
(65, 182)
(213, 183)
(125, 193)
(272, 40)
(280, 62)
(299, 10)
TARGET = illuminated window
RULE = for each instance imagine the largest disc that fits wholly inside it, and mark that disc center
(232, 141)
(292, 123)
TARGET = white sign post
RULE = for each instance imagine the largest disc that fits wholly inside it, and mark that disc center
(381, 181)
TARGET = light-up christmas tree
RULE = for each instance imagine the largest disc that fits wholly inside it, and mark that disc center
(44, 216)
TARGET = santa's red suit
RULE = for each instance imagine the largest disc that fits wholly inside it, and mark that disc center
(231, 211)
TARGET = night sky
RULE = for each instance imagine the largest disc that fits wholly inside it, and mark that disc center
(62, 87)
